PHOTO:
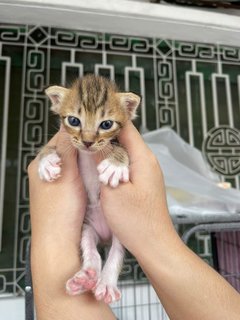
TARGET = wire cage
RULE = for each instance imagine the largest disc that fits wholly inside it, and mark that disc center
(139, 300)
(221, 248)
(226, 248)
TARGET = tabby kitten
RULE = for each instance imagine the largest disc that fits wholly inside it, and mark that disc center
(93, 113)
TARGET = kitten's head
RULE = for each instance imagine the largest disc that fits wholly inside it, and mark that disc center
(92, 110)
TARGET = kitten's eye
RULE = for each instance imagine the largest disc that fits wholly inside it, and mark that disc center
(105, 125)
(73, 121)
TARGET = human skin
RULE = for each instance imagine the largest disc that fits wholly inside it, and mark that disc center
(138, 215)
(57, 211)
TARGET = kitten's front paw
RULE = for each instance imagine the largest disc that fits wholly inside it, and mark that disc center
(107, 293)
(49, 168)
(112, 174)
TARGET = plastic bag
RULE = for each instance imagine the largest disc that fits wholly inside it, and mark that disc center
(191, 186)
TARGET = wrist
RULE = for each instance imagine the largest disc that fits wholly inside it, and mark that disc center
(158, 247)
(52, 264)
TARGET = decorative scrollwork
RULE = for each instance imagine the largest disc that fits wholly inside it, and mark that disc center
(230, 54)
(37, 35)
(166, 116)
(165, 79)
(76, 39)
(3, 283)
(36, 67)
(10, 33)
(205, 51)
(164, 48)
(121, 43)
(221, 148)
(187, 49)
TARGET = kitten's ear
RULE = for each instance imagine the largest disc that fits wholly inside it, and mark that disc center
(56, 95)
(130, 101)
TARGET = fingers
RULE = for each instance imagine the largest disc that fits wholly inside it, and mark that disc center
(143, 162)
(131, 139)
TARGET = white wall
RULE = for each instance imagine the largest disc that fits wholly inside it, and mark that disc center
(130, 17)
(12, 309)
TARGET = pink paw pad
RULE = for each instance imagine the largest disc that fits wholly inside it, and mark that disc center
(107, 293)
(84, 280)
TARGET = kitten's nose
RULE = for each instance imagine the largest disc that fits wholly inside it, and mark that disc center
(87, 143)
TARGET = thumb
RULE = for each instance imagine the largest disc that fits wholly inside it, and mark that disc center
(139, 153)
(131, 139)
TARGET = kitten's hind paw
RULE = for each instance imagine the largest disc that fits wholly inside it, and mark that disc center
(112, 174)
(82, 281)
(49, 168)
(107, 293)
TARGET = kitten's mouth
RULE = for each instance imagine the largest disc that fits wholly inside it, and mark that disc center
(89, 147)
(88, 150)
(85, 149)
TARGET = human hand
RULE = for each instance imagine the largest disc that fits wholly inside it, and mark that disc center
(137, 214)
(57, 210)
(138, 209)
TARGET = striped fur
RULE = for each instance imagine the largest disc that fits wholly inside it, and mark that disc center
(94, 99)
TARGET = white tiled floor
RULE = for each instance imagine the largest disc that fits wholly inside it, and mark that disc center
(12, 309)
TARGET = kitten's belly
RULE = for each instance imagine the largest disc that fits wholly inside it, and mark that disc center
(96, 219)
(94, 215)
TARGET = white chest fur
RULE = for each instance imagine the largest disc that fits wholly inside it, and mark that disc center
(89, 173)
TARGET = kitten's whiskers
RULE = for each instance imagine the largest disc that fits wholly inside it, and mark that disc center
(106, 150)
(68, 150)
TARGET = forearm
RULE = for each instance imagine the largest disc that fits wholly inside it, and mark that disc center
(50, 271)
(187, 287)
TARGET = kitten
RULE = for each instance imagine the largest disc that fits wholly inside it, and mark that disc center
(93, 113)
